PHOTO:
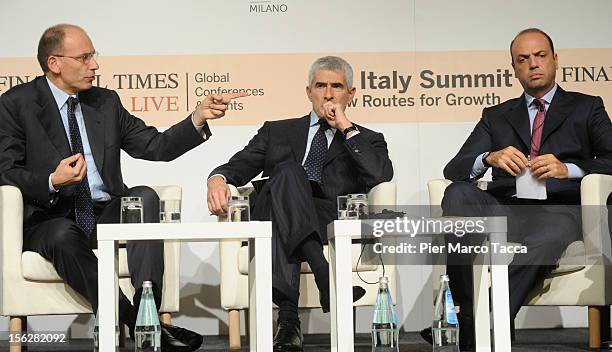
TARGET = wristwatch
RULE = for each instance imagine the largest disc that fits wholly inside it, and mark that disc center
(349, 129)
(484, 159)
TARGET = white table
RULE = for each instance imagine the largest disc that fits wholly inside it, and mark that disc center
(340, 233)
(259, 234)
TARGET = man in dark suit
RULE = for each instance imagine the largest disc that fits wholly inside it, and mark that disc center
(556, 135)
(60, 141)
(310, 161)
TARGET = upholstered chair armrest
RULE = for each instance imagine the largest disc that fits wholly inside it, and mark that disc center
(383, 194)
(11, 232)
(172, 259)
(594, 191)
(231, 278)
(436, 193)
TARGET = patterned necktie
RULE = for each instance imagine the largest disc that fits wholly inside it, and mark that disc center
(538, 126)
(83, 205)
(316, 155)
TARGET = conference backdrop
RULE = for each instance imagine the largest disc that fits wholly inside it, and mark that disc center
(423, 72)
(393, 87)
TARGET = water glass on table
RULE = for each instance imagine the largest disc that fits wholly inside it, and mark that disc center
(238, 209)
(170, 210)
(131, 210)
(357, 205)
(343, 212)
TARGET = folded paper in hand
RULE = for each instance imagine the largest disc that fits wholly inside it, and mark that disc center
(529, 187)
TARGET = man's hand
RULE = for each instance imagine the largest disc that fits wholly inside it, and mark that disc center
(508, 159)
(217, 195)
(70, 171)
(214, 106)
(548, 166)
(335, 117)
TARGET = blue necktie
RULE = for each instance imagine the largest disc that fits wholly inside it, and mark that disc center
(316, 155)
(83, 205)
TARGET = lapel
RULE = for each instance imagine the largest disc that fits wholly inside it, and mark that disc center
(300, 137)
(518, 117)
(94, 125)
(50, 118)
(335, 148)
(560, 108)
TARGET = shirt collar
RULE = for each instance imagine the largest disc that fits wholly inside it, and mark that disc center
(547, 97)
(314, 120)
(59, 95)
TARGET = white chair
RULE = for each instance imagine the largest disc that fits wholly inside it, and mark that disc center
(29, 285)
(234, 271)
(571, 284)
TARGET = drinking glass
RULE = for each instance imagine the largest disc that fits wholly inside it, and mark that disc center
(170, 210)
(357, 205)
(238, 209)
(131, 210)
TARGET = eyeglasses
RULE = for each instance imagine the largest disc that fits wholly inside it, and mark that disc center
(84, 58)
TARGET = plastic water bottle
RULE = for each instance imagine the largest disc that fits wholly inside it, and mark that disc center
(96, 334)
(148, 330)
(445, 328)
(384, 324)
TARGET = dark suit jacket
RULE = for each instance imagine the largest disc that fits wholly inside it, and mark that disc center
(33, 142)
(577, 130)
(351, 166)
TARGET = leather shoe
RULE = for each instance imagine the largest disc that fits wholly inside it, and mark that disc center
(174, 338)
(358, 292)
(288, 336)
(427, 335)
(606, 345)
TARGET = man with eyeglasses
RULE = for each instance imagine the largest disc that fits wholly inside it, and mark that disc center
(84, 58)
(60, 142)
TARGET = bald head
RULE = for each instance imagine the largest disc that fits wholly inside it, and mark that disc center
(52, 42)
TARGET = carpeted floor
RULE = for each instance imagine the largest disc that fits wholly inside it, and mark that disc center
(557, 340)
